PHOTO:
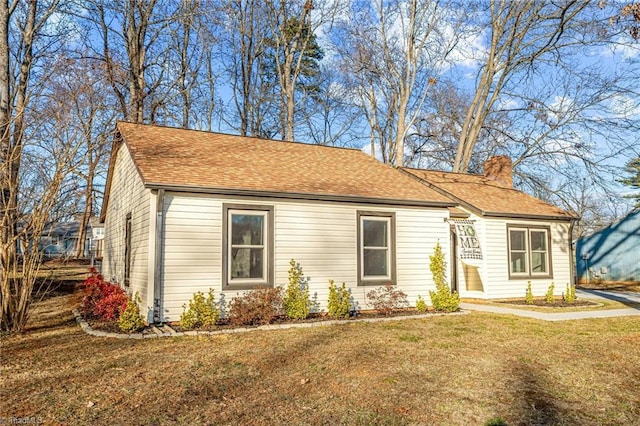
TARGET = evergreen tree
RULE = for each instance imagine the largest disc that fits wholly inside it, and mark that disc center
(633, 179)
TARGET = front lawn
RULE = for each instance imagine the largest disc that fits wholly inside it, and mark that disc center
(464, 369)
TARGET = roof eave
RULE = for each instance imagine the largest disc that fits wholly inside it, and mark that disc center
(117, 143)
(527, 216)
(299, 195)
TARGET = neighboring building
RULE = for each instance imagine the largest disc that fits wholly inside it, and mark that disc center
(611, 254)
(96, 232)
(185, 211)
(506, 238)
(60, 239)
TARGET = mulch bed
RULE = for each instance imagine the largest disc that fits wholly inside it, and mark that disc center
(554, 304)
(225, 324)
(109, 326)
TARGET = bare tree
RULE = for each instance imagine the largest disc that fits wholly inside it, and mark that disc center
(79, 87)
(329, 117)
(394, 52)
(245, 45)
(133, 47)
(522, 34)
(21, 26)
(185, 48)
(52, 154)
(296, 52)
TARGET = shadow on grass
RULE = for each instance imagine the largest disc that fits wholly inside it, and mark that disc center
(533, 404)
(52, 325)
(45, 290)
(632, 300)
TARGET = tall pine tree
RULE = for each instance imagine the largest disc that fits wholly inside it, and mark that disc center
(633, 179)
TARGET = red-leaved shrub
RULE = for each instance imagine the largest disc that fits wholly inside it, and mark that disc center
(112, 304)
(258, 306)
(102, 298)
(92, 290)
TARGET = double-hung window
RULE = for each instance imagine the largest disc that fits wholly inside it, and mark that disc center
(248, 246)
(376, 248)
(529, 252)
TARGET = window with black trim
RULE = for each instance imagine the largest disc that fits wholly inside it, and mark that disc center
(248, 246)
(376, 248)
(529, 252)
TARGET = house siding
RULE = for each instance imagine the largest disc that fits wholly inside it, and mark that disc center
(321, 236)
(496, 267)
(128, 195)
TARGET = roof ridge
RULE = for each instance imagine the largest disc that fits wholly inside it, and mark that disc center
(259, 138)
(172, 157)
(442, 171)
(473, 175)
(447, 184)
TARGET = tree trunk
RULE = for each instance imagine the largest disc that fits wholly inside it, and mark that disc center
(12, 126)
(86, 215)
(16, 290)
(5, 150)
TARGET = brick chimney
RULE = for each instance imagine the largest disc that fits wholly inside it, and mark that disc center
(499, 168)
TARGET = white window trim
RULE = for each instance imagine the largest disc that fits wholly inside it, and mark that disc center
(263, 246)
(526, 253)
(364, 277)
(546, 252)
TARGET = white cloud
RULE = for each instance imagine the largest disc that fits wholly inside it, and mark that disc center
(621, 48)
(508, 103)
(471, 49)
(626, 106)
(558, 109)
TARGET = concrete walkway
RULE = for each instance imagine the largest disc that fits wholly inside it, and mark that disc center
(574, 315)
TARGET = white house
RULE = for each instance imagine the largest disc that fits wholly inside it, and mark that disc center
(186, 211)
(517, 238)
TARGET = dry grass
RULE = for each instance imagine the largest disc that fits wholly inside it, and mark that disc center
(442, 370)
(55, 274)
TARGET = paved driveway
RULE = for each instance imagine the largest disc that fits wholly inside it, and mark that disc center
(618, 296)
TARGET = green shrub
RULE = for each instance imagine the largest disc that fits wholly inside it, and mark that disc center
(297, 304)
(528, 296)
(570, 295)
(549, 294)
(338, 304)
(443, 299)
(421, 305)
(201, 312)
(130, 319)
(387, 299)
(259, 306)
(496, 421)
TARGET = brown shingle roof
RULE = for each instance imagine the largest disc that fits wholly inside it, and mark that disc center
(178, 158)
(486, 196)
